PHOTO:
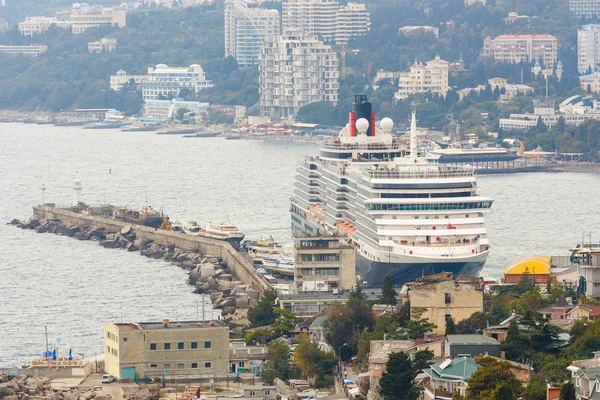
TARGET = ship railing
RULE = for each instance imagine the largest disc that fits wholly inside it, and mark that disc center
(364, 146)
(415, 174)
(436, 245)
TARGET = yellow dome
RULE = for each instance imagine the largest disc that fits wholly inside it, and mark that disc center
(531, 265)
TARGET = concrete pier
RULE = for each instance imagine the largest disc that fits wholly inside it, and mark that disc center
(236, 262)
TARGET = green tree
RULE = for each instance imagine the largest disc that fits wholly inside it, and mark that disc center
(314, 363)
(263, 313)
(397, 381)
(516, 344)
(422, 359)
(536, 389)
(260, 335)
(476, 322)
(284, 322)
(567, 392)
(181, 113)
(450, 327)
(277, 365)
(388, 293)
(357, 293)
(493, 378)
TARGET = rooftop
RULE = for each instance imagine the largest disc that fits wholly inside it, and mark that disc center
(166, 324)
(453, 370)
(315, 296)
(472, 339)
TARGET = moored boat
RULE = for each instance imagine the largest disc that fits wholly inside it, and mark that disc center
(146, 216)
(222, 231)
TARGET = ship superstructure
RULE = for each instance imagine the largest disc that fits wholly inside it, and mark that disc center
(403, 213)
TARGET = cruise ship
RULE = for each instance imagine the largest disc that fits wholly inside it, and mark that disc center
(404, 214)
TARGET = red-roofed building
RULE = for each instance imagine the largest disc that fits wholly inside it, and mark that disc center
(517, 48)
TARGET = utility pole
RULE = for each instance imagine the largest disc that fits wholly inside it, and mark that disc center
(48, 359)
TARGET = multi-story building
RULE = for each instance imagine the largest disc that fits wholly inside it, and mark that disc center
(442, 298)
(247, 28)
(352, 20)
(36, 25)
(323, 263)
(315, 17)
(167, 109)
(325, 19)
(471, 346)
(590, 82)
(154, 349)
(588, 48)
(104, 44)
(296, 69)
(31, 51)
(448, 378)
(118, 81)
(422, 78)
(84, 17)
(418, 29)
(3, 25)
(165, 81)
(517, 48)
(588, 9)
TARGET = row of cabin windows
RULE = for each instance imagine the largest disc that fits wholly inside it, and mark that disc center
(182, 365)
(180, 346)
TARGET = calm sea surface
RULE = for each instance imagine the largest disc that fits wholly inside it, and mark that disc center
(75, 287)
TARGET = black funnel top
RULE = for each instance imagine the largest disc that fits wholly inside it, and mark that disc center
(362, 108)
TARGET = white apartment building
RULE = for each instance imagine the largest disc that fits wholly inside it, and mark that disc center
(588, 49)
(585, 8)
(167, 81)
(104, 44)
(167, 109)
(84, 16)
(315, 17)
(36, 25)
(517, 48)
(352, 20)
(295, 70)
(325, 19)
(247, 27)
(422, 78)
(118, 81)
(30, 51)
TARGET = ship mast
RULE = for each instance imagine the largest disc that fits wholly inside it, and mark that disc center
(413, 135)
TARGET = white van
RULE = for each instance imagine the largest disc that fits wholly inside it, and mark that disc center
(108, 378)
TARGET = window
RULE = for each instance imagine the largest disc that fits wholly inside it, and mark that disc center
(194, 365)
(125, 339)
(207, 345)
(152, 346)
(377, 367)
(153, 365)
(167, 346)
(180, 346)
(194, 345)
(241, 364)
(447, 298)
(167, 366)
(207, 365)
(180, 366)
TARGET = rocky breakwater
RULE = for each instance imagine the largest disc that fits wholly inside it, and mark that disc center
(207, 272)
(37, 388)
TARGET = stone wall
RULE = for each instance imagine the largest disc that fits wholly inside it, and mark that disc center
(235, 261)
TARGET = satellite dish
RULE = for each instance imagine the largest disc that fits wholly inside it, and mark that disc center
(126, 230)
(357, 278)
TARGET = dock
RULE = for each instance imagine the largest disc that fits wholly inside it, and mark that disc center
(239, 265)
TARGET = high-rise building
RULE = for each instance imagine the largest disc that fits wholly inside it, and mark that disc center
(588, 49)
(247, 27)
(588, 9)
(296, 69)
(352, 20)
(517, 48)
(314, 17)
(165, 81)
(423, 78)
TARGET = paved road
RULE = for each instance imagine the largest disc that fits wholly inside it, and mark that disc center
(95, 381)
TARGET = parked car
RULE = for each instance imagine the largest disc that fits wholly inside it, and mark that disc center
(108, 378)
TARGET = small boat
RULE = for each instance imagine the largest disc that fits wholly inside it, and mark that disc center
(176, 226)
(223, 231)
(147, 216)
